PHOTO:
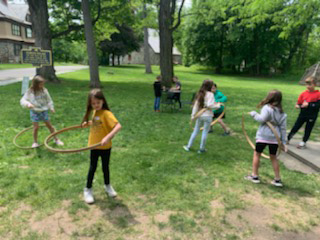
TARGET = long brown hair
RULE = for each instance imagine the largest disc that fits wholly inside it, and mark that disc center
(206, 86)
(274, 98)
(98, 94)
(35, 85)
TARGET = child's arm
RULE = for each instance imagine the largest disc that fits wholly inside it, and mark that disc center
(263, 117)
(24, 101)
(113, 132)
(194, 109)
(50, 102)
(211, 103)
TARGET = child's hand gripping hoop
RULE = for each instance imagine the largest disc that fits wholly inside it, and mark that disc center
(217, 119)
(251, 143)
(67, 150)
(198, 114)
(20, 133)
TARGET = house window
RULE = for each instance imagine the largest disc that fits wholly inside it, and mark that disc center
(28, 18)
(16, 30)
(17, 49)
(28, 32)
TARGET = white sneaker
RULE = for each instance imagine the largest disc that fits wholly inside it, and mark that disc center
(110, 191)
(88, 196)
(301, 145)
(186, 148)
(59, 142)
(35, 145)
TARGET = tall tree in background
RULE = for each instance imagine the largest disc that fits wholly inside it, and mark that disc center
(167, 25)
(146, 41)
(91, 47)
(40, 24)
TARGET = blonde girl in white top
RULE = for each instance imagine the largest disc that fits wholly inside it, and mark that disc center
(38, 100)
(204, 99)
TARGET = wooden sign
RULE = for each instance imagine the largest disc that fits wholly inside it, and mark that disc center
(37, 57)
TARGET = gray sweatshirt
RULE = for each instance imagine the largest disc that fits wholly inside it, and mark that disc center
(276, 118)
(41, 102)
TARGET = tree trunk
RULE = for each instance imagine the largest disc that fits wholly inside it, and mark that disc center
(146, 43)
(112, 59)
(40, 24)
(166, 43)
(118, 58)
(91, 47)
(304, 50)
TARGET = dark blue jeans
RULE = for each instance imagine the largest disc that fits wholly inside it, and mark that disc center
(157, 103)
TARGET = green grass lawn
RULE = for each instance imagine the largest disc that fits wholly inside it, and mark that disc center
(4, 66)
(164, 192)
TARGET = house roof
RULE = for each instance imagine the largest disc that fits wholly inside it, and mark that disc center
(16, 12)
(154, 42)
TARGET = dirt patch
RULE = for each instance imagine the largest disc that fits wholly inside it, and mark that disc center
(68, 171)
(163, 216)
(23, 167)
(21, 209)
(58, 225)
(270, 218)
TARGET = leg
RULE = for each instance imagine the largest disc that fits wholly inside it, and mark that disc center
(206, 128)
(308, 129)
(256, 158)
(157, 103)
(299, 122)
(275, 165)
(50, 127)
(179, 101)
(105, 157)
(35, 131)
(194, 133)
(256, 163)
(273, 148)
(223, 125)
(94, 156)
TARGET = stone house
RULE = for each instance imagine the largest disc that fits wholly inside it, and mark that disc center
(154, 51)
(15, 31)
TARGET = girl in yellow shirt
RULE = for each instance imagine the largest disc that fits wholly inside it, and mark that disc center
(104, 126)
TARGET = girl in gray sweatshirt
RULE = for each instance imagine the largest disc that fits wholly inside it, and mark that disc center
(271, 112)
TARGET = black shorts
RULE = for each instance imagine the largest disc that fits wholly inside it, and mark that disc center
(216, 115)
(273, 148)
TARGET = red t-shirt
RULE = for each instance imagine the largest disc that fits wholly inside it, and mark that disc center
(309, 97)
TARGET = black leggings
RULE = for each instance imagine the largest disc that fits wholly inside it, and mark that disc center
(105, 157)
(310, 121)
(176, 97)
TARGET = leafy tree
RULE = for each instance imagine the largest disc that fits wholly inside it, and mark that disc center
(120, 43)
(254, 36)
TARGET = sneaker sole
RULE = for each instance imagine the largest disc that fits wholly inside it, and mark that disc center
(253, 181)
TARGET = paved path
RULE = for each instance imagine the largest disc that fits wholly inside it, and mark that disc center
(15, 75)
(310, 156)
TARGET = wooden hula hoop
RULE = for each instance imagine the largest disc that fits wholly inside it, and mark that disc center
(198, 114)
(216, 120)
(251, 143)
(20, 133)
(74, 150)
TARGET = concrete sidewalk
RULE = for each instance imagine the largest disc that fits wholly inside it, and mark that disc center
(310, 156)
(16, 75)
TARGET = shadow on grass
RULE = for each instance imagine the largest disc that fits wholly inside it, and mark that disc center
(117, 212)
